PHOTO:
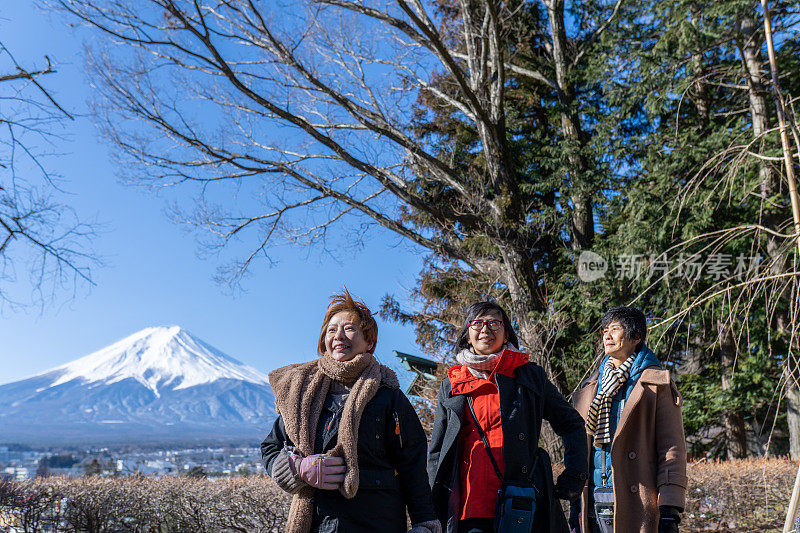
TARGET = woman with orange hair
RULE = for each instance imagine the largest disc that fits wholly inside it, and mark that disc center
(347, 442)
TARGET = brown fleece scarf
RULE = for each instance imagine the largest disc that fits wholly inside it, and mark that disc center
(300, 392)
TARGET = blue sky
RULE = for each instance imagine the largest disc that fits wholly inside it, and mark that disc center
(153, 274)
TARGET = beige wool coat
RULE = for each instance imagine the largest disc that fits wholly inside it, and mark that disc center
(648, 452)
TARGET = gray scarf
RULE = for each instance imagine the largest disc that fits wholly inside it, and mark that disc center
(481, 365)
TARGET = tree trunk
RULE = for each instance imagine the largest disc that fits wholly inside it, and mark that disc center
(700, 92)
(736, 435)
(733, 421)
(793, 416)
(750, 41)
(582, 223)
(518, 275)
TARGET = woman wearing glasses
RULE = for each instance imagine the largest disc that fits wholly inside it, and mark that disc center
(485, 466)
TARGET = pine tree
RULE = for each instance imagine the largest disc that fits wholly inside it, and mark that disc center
(699, 194)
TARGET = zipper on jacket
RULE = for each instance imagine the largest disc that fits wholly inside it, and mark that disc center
(397, 428)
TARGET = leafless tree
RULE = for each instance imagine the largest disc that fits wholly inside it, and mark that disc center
(40, 238)
(304, 111)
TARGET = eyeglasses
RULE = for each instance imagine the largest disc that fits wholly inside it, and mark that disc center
(493, 325)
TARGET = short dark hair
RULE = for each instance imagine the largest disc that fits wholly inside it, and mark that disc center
(474, 311)
(630, 318)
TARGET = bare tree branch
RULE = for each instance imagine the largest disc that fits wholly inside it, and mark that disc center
(36, 232)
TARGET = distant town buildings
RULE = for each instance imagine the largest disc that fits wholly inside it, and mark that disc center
(213, 462)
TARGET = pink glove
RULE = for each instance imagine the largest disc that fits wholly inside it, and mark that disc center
(320, 471)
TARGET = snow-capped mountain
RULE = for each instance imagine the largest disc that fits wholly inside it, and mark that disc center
(160, 384)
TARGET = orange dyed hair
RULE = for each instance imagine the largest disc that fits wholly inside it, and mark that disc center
(345, 302)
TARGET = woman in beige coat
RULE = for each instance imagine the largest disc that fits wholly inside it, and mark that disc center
(634, 423)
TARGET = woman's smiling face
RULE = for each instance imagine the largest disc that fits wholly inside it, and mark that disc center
(484, 341)
(344, 338)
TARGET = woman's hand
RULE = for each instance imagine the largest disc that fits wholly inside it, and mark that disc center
(320, 471)
(569, 485)
(431, 526)
(669, 519)
(574, 516)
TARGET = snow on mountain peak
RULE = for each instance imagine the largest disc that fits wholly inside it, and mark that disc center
(157, 357)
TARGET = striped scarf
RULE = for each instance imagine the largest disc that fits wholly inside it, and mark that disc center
(598, 422)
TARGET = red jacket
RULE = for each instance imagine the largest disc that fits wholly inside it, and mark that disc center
(479, 481)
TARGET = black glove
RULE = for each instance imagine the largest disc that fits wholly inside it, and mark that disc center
(570, 485)
(574, 515)
(670, 518)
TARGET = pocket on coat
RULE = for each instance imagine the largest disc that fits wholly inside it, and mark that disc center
(377, 480)
(372, 431)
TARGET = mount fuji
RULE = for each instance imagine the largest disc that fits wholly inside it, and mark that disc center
(159, 385)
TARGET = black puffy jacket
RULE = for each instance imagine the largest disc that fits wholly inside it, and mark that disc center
(391, 467)
(525, 400)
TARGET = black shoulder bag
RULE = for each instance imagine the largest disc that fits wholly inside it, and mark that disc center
(516, 503)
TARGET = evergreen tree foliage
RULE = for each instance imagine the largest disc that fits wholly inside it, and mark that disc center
(686, 180)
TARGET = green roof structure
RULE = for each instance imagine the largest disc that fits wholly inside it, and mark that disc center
(424, 371)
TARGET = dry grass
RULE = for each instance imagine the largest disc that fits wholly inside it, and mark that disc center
(749, 495)
(741, 496)
(144, 504)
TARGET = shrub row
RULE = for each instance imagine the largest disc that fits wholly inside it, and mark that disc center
(748, 495)
(143, 504)
(741, 496)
